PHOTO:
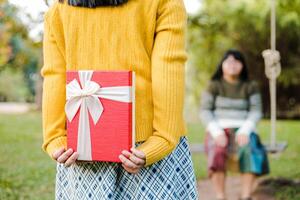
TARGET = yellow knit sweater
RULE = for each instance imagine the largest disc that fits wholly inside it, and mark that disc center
(146, 36)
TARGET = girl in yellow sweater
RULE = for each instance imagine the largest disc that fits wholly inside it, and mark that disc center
(145, 36)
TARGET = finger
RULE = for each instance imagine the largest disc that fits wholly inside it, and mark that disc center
(220, 143)
(242, 141)
(133, 158)
(224, 138)
(138, 153)
(223, 142)
(128, 163)
(65, 156)
(236, 139)
(129, 170)
(57, 153)
(245, 139)
(239, 138)
(136, 160)
(126, 153)
(71, 160)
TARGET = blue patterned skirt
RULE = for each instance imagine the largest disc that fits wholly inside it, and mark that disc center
(171, 178)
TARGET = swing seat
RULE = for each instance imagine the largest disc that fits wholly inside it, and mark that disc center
(279, 147)
(197, 148)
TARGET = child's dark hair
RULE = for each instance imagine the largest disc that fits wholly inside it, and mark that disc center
(238, 56)
(94, 3)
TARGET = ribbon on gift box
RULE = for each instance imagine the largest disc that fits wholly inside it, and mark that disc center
(87, 99)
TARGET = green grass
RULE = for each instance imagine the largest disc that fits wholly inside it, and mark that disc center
(28, 173)
(25, 170)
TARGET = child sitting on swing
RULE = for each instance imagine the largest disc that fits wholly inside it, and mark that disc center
(230, 110)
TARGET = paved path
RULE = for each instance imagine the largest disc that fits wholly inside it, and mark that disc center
(206, 191)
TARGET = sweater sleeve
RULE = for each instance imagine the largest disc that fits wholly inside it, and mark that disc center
(54, 94)
(168, 84)
(206, 111)
(255, 110)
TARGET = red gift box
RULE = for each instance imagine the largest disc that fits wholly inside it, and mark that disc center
(100, 111)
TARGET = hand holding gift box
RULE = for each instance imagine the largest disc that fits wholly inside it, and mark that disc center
(100, 113)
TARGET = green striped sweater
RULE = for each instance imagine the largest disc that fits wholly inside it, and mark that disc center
(231, 105)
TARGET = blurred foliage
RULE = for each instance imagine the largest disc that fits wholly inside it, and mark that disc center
(244, 25)
(12, 87)
(19, 55)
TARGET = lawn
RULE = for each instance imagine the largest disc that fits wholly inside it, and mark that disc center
(26, 172)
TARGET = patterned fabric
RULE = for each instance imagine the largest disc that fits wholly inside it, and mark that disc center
(170, 178)
(251, 158)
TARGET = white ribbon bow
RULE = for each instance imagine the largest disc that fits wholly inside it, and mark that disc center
(87, 99)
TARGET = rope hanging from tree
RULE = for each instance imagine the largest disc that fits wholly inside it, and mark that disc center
(272, 71)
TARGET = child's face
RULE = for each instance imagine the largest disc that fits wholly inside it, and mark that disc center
(232, 67)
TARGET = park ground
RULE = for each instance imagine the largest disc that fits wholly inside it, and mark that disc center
(26, 172)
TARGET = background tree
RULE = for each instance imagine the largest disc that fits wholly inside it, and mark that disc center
(245, 25)
(19, 56)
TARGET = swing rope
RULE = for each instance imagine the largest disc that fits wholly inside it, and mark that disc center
(272, 71)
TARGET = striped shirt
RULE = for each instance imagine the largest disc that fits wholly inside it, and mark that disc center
(231, 105)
